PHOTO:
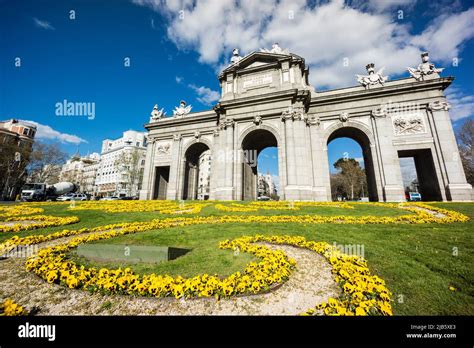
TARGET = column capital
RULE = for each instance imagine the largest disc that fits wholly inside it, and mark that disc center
(439, 105)
(226, 123)
(294, 113)
(379, 112)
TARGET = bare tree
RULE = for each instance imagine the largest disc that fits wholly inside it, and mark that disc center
(13, 162)
(131, 171)
(465, 135)
(45, 163)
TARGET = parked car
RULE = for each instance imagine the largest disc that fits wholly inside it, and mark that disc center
(73, 197)
(113, 198)
(263, 198)
(66, 197)
(414, 196)
(79, 197)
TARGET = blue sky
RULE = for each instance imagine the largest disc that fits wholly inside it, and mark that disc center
(176, 55)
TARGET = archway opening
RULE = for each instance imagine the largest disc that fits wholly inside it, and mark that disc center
(197, 172)
(351, 165)
(419, 175)
(260, 175)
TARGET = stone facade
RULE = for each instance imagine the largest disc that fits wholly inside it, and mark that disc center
(120, 158)
(81, 171)
(267, 101)
(266, 186)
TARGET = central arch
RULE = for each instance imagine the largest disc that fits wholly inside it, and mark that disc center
(358, 135)
(197, 162)
(252, 144)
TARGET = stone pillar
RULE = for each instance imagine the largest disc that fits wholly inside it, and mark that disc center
(303, 158)
(149, 171)
(299, 173)
(319, 162)
(175, 175)
(289, 149)
(224, 170)
(383, 149)
(229, 164)
(214, 165)
(457, 188)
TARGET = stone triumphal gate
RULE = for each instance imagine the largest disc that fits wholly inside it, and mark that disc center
(267, 101)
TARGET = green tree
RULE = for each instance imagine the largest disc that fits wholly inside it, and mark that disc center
(350, 181)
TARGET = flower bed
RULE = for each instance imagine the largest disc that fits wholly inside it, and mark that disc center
(18, 210)
(35, 221)
(8, 307)
(362, 293)
(159, 206)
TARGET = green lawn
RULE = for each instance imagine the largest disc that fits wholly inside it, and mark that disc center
(416, 261)
(93, 218)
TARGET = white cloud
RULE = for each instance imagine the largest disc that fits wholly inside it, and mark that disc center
(43, 24)
(443, 38)
(206, 95)
(46, 132)
(324, 34)
(462, 106)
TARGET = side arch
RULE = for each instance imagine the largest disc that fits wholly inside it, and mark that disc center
(364, 137)
(193, 141)
(249, 129)
(352, 124)
(196, 169)
(251, 141)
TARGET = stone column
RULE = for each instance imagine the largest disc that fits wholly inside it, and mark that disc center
(457, 187)
(175, 175)
(319, 161)
(225, 162)
(214, 165)
(289, 149)
(149, 171)
(298, 158)
(392, 181)
(303, 160)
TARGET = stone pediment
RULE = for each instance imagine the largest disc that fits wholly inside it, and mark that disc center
(261, 60)
(260, 73)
